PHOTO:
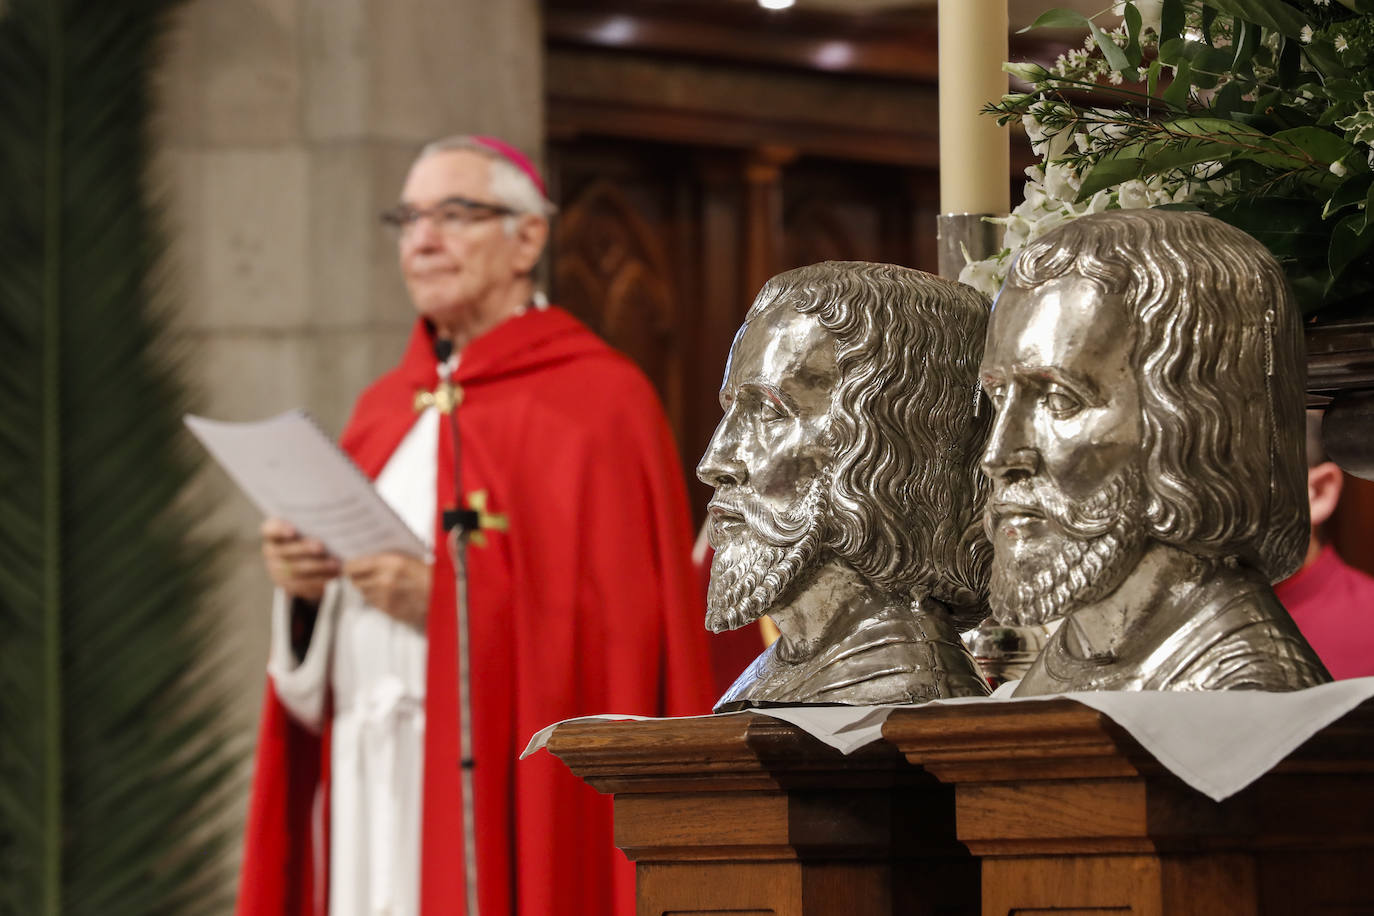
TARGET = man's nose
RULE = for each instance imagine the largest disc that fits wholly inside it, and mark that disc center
(1010, 447)
(423, 234)
(721, 465)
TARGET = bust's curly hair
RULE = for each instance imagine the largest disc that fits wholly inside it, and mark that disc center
(907, 496)
(1219, 356)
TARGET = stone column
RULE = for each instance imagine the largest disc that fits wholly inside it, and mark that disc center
(286, 126)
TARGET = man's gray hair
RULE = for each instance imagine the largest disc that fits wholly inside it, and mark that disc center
(1219, 357)
(907, 495)
(509, 186)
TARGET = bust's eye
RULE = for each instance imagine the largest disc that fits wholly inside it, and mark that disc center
(1062, 404)
(996, 393)
(770, 411)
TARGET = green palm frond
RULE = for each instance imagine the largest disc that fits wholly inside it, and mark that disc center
(112, 765)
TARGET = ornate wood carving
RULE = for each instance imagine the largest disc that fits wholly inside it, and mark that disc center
(610, 268)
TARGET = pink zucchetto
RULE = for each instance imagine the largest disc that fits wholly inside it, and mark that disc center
(514, 157)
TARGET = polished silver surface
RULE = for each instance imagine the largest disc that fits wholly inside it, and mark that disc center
(965, 233)
(847, 498)
(1004, 652)
(1147, 457)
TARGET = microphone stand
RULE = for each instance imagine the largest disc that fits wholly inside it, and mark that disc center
(458, 523)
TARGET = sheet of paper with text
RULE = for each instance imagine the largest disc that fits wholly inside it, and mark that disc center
(292, 470)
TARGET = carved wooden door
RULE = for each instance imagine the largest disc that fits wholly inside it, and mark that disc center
(660, 248)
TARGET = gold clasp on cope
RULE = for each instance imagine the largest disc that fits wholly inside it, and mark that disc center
(445, 397)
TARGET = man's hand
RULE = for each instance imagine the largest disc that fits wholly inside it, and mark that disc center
(395, 583)
(299, 566)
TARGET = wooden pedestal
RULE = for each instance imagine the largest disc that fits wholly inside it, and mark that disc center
(1066, 812)
(1072, 817)
(749, 816)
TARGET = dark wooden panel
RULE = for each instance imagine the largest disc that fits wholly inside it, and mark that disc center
(838, 210)
(1352, 525)
(611, 268)
(897, 42)
(661, 247)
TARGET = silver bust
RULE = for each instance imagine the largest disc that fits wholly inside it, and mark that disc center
(1148, 477)
(847, 498)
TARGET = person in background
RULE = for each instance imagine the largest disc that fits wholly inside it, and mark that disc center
(1332, 603)
(581, 597)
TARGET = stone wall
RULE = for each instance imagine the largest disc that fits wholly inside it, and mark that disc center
(286, 126)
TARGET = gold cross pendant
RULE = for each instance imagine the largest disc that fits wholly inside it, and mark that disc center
(486, 521)
(445, 397)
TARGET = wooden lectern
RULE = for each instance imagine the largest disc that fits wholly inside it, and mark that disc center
(1071, 816)
(748, 816)
(1065, 812)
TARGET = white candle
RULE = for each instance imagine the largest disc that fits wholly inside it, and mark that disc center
(975, 158)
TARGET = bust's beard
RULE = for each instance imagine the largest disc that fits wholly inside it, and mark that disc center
(1098, 542)
(750, 574)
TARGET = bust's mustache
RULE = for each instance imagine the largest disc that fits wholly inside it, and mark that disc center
(778, 529)
(1081, 518)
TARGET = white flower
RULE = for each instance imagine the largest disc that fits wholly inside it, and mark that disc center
(1341, 43)
(986, 275)
(1205, 170)
(1133, 195)
(1045, 144)
(1018, 232)
(1060, 182)
(1051, 220)
(1027, 71)
(1160, 193)
(1107, 127)
(1322, 2)
(1306, 34)
(1035, 130)
(1339, 170)
(1100, 201)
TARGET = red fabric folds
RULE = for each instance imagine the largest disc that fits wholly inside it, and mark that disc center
(587, 604)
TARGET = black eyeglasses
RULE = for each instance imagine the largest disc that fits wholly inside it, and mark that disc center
(451, 214)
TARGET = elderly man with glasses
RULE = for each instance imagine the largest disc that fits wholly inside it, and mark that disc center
(537, 465)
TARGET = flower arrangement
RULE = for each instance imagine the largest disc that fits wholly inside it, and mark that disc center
(1260, 112)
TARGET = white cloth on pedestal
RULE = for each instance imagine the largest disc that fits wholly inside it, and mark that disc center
(1218, 742)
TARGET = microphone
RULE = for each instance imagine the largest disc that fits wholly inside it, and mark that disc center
(466, 520)
(443, 348)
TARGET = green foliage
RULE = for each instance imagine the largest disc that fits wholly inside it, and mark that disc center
(110, 761)
(1260, 112)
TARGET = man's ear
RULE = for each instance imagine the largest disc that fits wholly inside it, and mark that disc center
(531, 234)
(1324, 482)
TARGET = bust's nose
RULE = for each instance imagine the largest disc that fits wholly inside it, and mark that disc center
(721, 465)
(1010, 450)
